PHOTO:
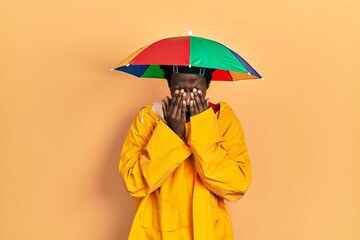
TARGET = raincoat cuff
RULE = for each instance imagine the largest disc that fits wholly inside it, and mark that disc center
(166, 146)
(205, 129)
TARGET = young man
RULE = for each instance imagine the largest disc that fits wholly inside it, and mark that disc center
(182, 157)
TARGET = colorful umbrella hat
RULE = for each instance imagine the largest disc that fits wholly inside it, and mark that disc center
(188, 51)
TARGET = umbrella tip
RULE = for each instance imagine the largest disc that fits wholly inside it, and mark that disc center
(189, 33)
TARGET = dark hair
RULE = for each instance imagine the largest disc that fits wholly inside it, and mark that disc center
(168, 73)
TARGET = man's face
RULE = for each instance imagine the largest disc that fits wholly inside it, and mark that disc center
(188, 82)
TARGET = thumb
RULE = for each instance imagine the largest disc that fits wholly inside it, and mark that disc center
(207, 101)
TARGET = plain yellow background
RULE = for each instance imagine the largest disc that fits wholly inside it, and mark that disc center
(64, 115)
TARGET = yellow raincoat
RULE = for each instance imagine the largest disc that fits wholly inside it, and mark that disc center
(178, 186)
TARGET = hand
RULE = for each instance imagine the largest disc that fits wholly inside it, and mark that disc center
(175, 112)
(198, 103)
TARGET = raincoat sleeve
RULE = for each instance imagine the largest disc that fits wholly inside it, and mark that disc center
(151, 152)
(221, 156)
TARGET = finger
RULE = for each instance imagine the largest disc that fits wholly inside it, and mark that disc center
(175, 111)
(164, 108)
(182, 96)
(192, 104)
(172, 101)
(195, 103)
(183, 112)
(182, 105)
(192, 110)
(204, 101)
(198, 102)
(166, 100)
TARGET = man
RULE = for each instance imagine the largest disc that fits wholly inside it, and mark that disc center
(182, 157)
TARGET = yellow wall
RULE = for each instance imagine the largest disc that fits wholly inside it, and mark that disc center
(64, 115)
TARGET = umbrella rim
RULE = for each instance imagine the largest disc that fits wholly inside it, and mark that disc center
(128, 65)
